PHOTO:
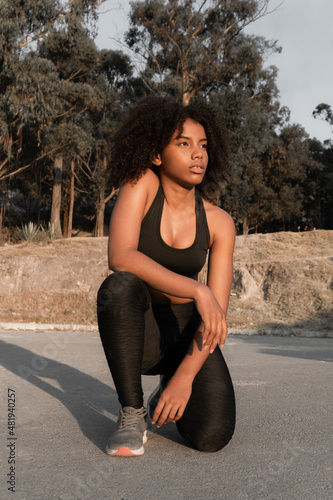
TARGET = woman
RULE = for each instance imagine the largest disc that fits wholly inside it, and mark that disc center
(154, 316)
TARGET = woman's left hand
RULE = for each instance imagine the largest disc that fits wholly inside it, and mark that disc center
(173, 401)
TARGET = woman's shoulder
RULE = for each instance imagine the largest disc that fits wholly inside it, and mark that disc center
(142, 192)
(217, 214)
(149, 178)
(220, 223)
(148, 182)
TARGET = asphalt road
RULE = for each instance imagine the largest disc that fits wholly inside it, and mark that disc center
(65, 407)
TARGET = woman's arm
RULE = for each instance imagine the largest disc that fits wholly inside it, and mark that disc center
(176, 394)
(131, 206)
(125, 224)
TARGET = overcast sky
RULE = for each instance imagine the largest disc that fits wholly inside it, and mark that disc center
(304, 31)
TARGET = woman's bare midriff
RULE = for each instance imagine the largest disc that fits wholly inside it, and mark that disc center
(163, 298)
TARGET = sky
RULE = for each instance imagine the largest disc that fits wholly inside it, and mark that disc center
(303, 28)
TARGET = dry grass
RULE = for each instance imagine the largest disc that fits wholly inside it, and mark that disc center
(279, 279)
(48, 307)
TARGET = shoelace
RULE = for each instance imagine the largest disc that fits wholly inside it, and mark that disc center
(130, 420)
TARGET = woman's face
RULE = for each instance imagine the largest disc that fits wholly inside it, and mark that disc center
(184, 160)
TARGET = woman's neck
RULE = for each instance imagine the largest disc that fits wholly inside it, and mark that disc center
(178, 197)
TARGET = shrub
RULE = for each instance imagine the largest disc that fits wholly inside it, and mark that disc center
(28, 232)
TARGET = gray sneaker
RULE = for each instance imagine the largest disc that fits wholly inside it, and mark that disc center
(130, 435)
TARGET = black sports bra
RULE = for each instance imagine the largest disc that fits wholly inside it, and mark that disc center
(185, 261)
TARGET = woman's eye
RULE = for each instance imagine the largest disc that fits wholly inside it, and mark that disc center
(204, 146)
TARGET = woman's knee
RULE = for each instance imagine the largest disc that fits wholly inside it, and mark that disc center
(209, 418)
(210, 437)
(121, 288)
(214, 440)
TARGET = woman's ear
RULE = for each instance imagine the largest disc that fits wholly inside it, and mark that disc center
(157, 160)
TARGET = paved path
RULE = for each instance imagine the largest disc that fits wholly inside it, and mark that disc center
(66, 407)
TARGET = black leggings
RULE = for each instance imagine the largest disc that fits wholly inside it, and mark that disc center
(139, 337)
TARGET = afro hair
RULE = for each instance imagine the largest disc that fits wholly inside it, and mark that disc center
(147, 129)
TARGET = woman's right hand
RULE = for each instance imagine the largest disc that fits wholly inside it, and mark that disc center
(173, 400)
(214, 330)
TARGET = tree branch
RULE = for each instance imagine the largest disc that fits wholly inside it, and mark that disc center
(111, 195)
(21, 169)
(33, 38)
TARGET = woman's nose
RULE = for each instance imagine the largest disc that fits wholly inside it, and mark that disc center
(197, 153)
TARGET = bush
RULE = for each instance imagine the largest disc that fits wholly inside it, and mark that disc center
(28, 232)
(33, 233)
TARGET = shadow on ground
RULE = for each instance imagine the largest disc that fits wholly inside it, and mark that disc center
(86, 397)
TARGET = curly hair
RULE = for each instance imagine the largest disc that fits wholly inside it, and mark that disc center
(147, 129)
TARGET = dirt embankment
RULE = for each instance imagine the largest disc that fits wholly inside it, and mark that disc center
(280, 280)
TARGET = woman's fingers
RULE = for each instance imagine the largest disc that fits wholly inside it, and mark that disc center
(158, 412)
(163, 417)
(213, 317)
(174, 415)
(166, 415)
(224, 333)
(172, 402)
(213, 333)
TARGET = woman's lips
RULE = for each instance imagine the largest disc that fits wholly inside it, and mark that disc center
(197, 169)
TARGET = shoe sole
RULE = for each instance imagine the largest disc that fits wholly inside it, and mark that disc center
(124, 451)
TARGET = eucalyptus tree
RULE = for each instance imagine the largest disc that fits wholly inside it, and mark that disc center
(191, 46)
(252, 120)
(22, 73)
(114, 82)
(74, 55)
(319, 186)
(286, 164)
(29, 82)
(201, 48)
(324, 111)
(31, 88)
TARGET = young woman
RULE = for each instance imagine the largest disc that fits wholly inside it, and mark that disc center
(154, 316)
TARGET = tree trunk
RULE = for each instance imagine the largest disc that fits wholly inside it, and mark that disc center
(100, 210)
(245, 225)
(3, 203)
(71, 200)
(100, 206)
(39, 195)
(56, 194)
(186, 99)
(65, 212)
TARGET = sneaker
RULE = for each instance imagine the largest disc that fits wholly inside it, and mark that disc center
(130, 435)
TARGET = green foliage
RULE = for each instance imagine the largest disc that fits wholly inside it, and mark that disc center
(318, 189)
(33, 232)
(28, 232)
(190, 47)
(325, 111)
(35, 90)
(62, 97)
(201, 49)
(52, 231)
